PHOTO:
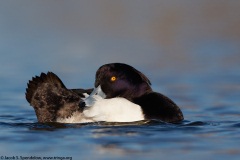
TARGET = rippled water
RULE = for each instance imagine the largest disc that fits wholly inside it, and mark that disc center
(215, 139)
(189, 51)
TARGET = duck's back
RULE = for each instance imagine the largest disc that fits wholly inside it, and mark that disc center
(158, 106)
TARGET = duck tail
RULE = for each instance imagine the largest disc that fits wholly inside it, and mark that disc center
(37, 81)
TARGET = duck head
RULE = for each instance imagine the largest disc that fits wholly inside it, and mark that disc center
(121, 80)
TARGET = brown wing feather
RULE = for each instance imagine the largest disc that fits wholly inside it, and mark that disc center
(50, 98)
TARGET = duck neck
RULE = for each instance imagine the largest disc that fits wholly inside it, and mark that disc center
(136, 92)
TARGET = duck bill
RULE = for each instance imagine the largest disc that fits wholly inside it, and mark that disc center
(96, 94)
(98, 91)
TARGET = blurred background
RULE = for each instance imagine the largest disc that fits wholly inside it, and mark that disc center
(172, 42)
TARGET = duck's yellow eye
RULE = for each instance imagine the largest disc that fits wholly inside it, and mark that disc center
(113, 78)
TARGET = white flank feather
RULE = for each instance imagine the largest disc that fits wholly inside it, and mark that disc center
(113, 110)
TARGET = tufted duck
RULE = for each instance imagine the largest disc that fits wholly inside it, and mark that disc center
(118, 82)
